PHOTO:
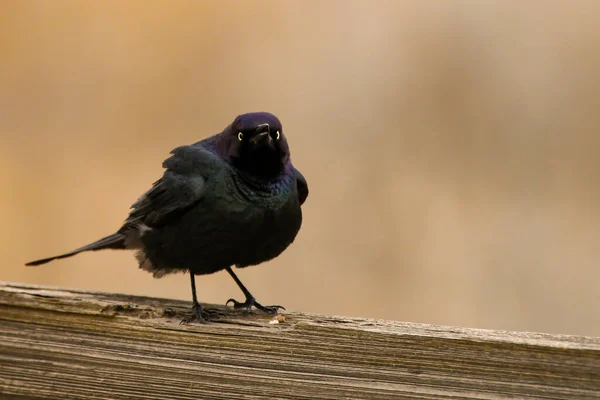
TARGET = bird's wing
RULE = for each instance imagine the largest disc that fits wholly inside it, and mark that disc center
(302, 186)
(181, 186)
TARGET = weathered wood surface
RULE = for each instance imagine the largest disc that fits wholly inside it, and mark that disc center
(66, 344)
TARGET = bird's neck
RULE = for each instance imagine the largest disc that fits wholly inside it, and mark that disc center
(269, 182)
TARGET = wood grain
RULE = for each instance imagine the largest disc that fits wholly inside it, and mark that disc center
(68, 344)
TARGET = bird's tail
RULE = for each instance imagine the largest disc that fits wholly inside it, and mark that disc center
(114, 241)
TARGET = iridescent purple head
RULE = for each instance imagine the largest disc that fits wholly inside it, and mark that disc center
(255, 143)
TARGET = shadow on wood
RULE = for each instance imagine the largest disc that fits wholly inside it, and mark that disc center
(58, 343)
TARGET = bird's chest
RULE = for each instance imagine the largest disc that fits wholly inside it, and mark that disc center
(268, 225)
(265, 222)
(269, 232)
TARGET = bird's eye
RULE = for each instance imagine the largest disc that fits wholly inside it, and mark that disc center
(240, 136)
(278, 136)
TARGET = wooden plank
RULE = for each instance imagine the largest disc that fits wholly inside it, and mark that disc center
(69, 344)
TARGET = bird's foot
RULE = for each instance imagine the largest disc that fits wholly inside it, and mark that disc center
(200, 315)
(251, 301)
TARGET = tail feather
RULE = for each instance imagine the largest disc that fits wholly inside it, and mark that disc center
(114, 241)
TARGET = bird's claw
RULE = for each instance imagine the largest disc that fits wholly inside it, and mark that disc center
(200, 315)
(251, 301)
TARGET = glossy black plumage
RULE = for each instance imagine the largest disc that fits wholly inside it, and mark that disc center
(231, 199)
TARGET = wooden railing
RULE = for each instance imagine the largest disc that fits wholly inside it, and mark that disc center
(67, 344)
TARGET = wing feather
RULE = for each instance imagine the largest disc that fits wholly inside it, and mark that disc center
(302, 186)
(181, 187)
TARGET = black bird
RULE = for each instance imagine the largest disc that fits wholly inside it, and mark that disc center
(231, 199)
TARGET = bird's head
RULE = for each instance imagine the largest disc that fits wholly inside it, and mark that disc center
(255, 144)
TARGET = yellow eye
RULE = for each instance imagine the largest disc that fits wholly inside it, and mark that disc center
(278, 136)
(240, 136)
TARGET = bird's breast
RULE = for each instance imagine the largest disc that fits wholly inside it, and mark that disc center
(268, 233)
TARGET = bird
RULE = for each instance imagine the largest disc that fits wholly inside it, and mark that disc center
(231, 199)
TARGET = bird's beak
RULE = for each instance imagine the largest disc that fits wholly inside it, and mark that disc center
(262, 139)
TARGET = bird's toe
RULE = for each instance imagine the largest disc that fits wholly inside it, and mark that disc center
(200, 315)
(269, 309)
(251, 302)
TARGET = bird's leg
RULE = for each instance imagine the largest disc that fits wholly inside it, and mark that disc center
(250, 300)
(200, 314)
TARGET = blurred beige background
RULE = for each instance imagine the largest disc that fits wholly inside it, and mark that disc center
(451, 148)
